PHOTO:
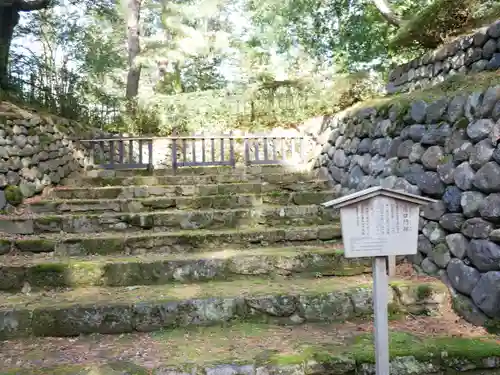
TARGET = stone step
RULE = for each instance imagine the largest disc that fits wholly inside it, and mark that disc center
(255, 170)
(230, 264)
(171, 220)
(185, 241)
(254, 348)
(144, 191)
(115, 310)
(60, 206)
(275, 178)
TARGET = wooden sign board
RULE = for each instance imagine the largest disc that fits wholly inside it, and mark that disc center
(379, 223)
(379, 226)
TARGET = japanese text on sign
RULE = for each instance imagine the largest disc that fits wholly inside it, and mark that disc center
(389, 218)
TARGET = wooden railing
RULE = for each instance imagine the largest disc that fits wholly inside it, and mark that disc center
(197, 150)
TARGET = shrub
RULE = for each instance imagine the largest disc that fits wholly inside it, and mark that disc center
(442, 19)
(267, 105)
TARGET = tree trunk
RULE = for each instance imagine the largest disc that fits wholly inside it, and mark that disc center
(134, 48)
(386, 11)
(9, 17)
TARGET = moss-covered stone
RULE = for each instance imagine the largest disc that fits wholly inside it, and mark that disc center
(15, 323)
(5, 246)
(462, 123)
(154, 270)
(120, 310)
(99, 246)
(195, 240)
(452, 86)
(34, 245)
(200, 180)
(87, 193)
(226, 189)
(218, 202)
(240, 218)
(248, 347)
(414, 295)
(50, 223)
(76, 320)
(492, 326)
(13, 195)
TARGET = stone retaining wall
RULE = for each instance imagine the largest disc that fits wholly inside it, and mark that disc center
(35, 151)
(448, 150)
(471, 53)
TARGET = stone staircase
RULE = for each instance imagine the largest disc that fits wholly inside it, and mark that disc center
(117, 252)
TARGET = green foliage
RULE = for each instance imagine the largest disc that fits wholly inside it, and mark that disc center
(265, 106)
(442, 19)
(349, 34)
(13, 195)
(73, 73)
(276, 53)
(185, 44)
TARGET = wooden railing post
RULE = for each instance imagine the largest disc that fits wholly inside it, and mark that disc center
(121, 157)
(130, 151)
(112, 153)
(266, 151)
(193, 149)
(302, 149)
(92, 154)
(150, 154)
(222, 149)
(102, 153)
(232, 158)
(174, 155)
(121, 152)
(275, 153)
(140, 151)
(184, 150)
(203, 150)
(246, 151)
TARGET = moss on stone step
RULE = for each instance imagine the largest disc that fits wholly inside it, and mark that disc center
(170, 220)
(151, 308)
(34, 245)
(273, 178)
(198, 171)
(226, 265)
(187, 241)
(130, 190)
(112, 368)
(13, 195)
(246, 348)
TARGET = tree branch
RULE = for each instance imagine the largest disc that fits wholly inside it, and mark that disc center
(29, 5)
(386, 11)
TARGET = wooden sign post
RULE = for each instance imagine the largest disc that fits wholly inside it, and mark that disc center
(379, 223)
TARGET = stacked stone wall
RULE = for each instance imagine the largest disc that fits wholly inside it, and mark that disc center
(472, 53)
(36, 151)
(449, 150)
